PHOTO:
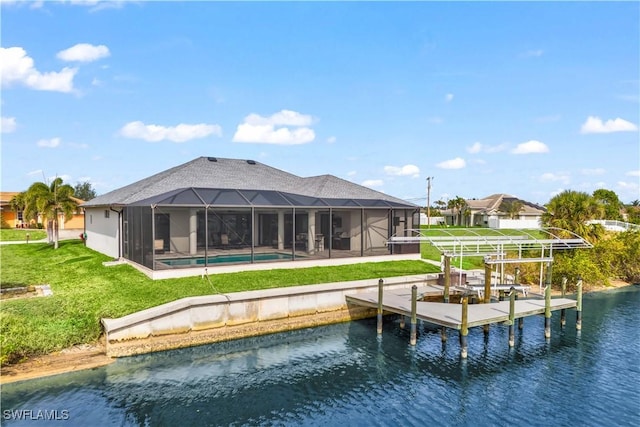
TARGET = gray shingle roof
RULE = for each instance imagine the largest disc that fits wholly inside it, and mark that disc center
(221, 173)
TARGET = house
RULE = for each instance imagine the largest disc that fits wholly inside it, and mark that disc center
(496, 211)
(214, 211)
(15, 219)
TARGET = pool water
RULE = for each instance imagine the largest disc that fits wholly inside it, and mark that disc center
(220, 259)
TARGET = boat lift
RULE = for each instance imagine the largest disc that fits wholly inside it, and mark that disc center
(497, 247)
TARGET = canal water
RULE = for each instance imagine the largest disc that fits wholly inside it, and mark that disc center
(345, 375)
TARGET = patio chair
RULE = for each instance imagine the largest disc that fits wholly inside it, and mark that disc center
(158, 246)
(224, 241)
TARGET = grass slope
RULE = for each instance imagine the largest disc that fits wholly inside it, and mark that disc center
(84, 291)
(20, 234)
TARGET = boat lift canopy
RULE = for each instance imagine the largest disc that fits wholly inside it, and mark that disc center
(490, 242)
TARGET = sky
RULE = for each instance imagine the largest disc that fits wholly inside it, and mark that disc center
(528, 99)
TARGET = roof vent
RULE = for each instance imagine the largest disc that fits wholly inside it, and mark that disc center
(251, 162)
(212, 159)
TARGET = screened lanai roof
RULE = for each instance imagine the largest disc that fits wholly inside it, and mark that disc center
(489, 241)
(210, 197)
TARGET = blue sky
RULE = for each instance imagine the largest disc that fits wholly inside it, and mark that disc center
(527, 99)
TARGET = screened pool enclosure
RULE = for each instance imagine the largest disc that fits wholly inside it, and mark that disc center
(206, 227)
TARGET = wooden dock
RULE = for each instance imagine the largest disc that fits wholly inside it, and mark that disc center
(462, 316)
(450, 315)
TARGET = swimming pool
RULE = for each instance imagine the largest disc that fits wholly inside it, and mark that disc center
(220, 259)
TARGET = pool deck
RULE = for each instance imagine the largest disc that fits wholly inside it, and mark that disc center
(449, 314)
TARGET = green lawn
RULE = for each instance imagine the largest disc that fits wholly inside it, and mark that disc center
(85, 291)
(20, 234)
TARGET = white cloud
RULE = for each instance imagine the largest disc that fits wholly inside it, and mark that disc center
(633, 173)
(448, 97)
(548, 119)
(80, 146)
(331, 139)
(84, 52)
(18, 68)
(596, 125)
(533, 53)
(351, 173)
(629, 98)
(596, 171)
(281, 118)
(475, 148)
(406, 170)
(181, 133)
(8, 124)
(530, 147)
(478, 147)
(373, 183)
(630, 188)
(457, 163)
(35, 172)
(49, 143)
(562, 177)
(275, 129)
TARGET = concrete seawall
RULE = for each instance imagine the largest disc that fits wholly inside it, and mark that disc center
(212, 318)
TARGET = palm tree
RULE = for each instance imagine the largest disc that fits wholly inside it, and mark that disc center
(49, 201)
(570, 210)
(466, 212)
(511, 208)
(18, 203)
(457, 204)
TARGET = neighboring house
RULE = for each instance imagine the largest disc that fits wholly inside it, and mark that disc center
(16, 219)
(213, 211)
(9, 215)
(494, 212)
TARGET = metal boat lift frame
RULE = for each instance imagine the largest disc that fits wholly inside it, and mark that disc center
(494, 244)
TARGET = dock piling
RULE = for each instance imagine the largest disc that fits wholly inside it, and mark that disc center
(512, 316)
(563, 314)
(520, 319)
(579, 304)
(464, 330)
(487, 283)
(547, 311)
(380, 292)
(414, 317)
(447, 278)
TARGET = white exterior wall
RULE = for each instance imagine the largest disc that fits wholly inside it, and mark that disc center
(514, 223)
(376, 223)
(355, 231)
(178, 229)
(421, 219)
(102, 233)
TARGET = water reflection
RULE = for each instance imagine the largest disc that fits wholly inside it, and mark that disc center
(345, 373)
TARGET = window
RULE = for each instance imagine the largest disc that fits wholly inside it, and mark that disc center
(20, 216)
(106, 213)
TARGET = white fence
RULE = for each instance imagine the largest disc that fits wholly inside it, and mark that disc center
(514, 223)
(613, 225)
